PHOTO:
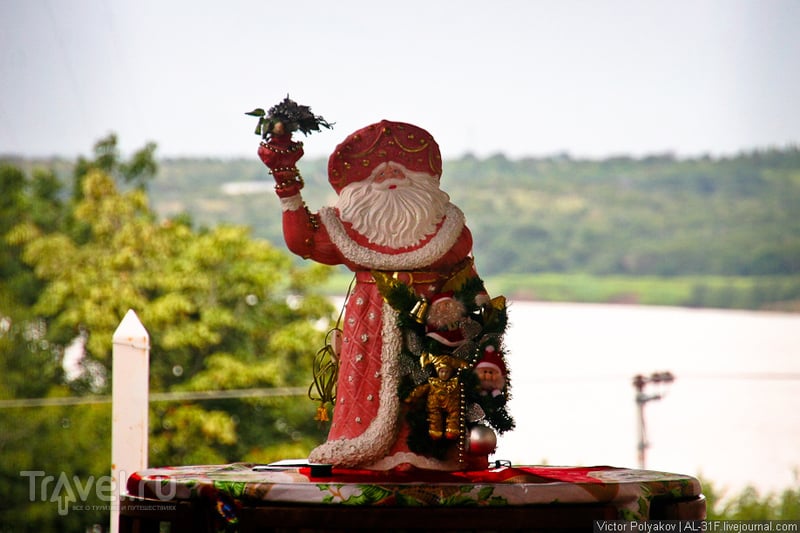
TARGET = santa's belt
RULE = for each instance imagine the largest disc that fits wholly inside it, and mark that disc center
(408, 277)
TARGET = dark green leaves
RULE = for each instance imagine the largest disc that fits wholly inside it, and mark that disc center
(291, 115)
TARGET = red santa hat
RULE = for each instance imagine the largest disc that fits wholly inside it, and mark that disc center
(441, 297)
(482, 297)
(358, 155)
(491, 358)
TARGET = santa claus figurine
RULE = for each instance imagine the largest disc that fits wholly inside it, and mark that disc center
(392, 218)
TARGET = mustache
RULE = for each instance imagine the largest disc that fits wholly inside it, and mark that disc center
(391, 183)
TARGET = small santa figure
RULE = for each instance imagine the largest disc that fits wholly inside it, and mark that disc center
(491, 371)
(445, 320)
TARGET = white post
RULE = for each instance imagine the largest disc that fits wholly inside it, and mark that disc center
(130, 371)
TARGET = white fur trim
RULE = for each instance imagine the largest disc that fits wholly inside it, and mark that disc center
(419, 461)
(442, 241)
(292, 203)
(376, 440)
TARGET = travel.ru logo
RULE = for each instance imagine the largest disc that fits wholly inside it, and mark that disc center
(74, 493)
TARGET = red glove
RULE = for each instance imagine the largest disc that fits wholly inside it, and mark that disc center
(281, 154)
(280, 151)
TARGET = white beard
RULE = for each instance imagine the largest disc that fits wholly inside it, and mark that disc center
(399, 217)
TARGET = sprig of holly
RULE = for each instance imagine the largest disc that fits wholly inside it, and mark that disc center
(287, 117)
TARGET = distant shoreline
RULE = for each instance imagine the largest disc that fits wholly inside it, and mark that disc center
(761, 293)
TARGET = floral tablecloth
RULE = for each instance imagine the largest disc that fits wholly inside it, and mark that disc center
(228, 487)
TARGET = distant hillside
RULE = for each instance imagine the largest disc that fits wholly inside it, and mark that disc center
(655, 216)
(705, 232)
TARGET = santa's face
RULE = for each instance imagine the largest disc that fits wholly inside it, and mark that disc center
(446, 312)
(388, 176)
(393, 207)
(490, 377)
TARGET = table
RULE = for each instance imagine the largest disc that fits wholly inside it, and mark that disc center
(245, 498)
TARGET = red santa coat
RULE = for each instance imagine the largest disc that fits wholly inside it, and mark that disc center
(367, 428)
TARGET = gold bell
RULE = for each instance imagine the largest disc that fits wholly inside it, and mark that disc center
(420, 310)
(322, 414)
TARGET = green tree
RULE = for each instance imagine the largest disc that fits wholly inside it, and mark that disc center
(749, 504)
(137, 171)
(22, 342)
(224, 311)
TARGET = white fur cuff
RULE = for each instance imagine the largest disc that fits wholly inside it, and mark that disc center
(292, 203)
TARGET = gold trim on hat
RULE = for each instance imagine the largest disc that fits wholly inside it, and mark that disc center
(348, 158)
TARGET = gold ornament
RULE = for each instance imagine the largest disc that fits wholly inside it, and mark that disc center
(420, 310)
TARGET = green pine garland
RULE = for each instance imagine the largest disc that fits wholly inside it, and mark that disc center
(493, 321)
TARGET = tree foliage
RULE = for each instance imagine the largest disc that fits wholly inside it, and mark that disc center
(750, 504)
(656, 216)
(224, 311)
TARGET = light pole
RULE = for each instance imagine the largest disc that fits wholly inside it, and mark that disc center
(639, 382)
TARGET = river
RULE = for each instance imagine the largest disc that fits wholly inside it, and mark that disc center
(731, 416)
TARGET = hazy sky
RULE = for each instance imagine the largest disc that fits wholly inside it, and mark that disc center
(528, 77)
